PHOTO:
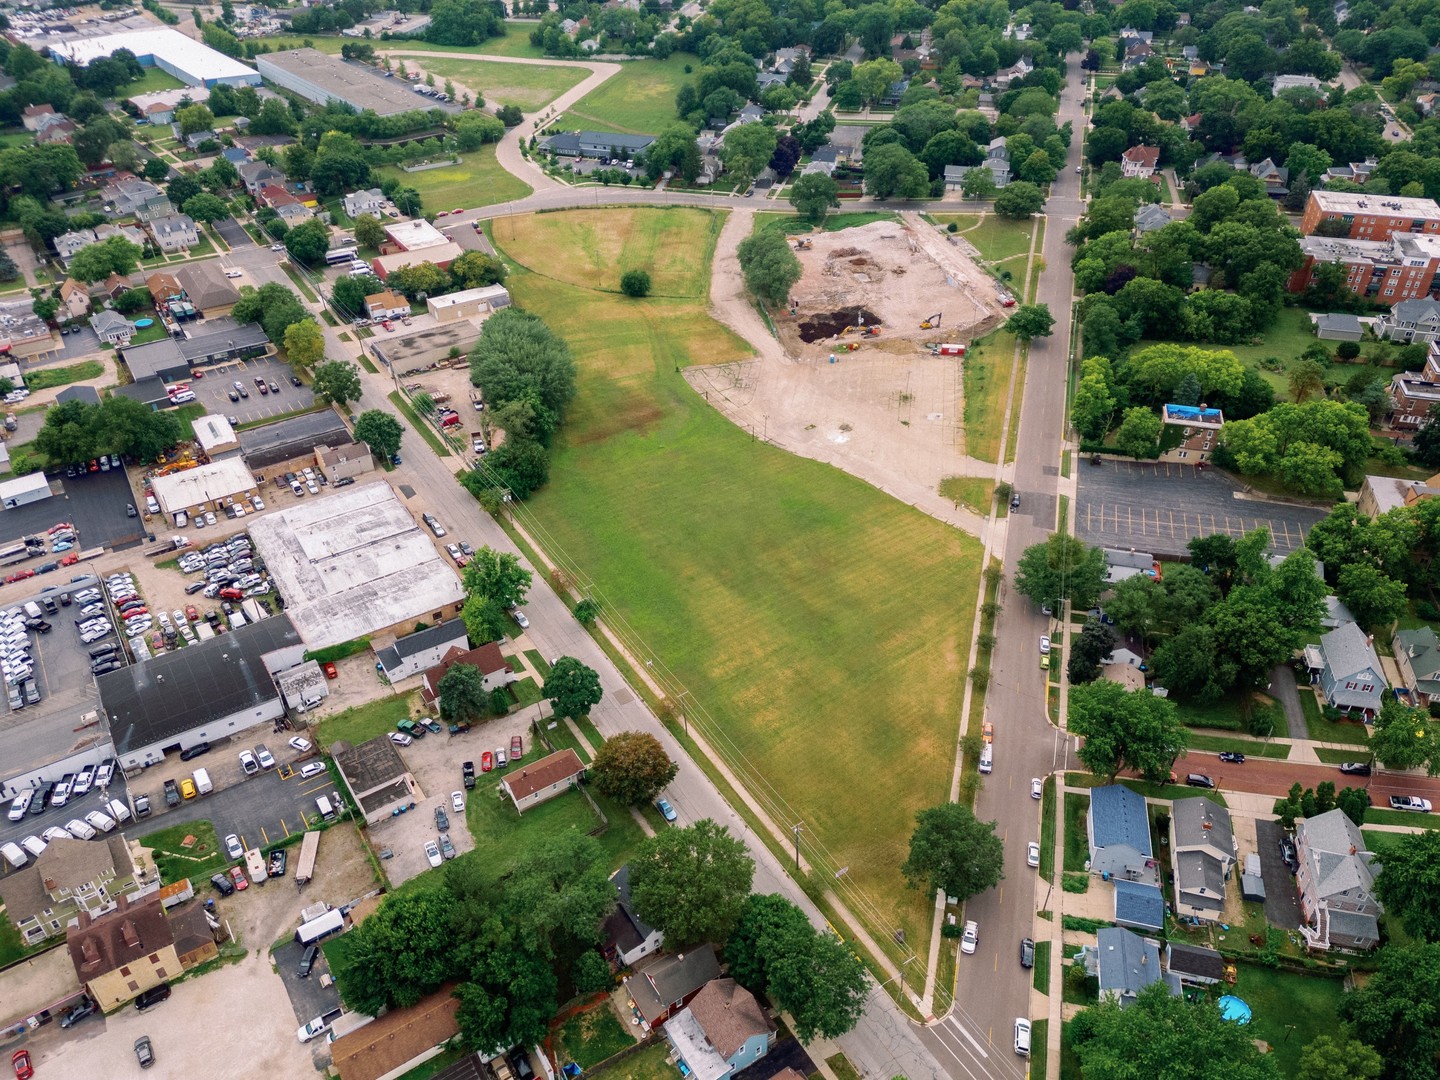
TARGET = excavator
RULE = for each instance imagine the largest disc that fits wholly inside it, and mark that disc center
(804, 245)
(932, 323)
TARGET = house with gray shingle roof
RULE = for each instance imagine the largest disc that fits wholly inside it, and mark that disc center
(723, 1031)
(1150, 217)
(1125, 964)
(1411, 320)
(1202, 846)
(1417, 654)
(1347, 670)
(1336, 882)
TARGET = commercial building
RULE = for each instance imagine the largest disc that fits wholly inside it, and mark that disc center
(1402, 267)
(290, 440)
(1371, 217)
(172, 358)
(376, 778)
(469, 303)
(597, 144)
(414, 235)
(203, 485)
(23, 490)
(169, 50)
(203, 693)
(355, 564)
(405, 353)
(322, 78)
(216, 437)
(442, 255)
(386, 304)
(414, 653)
(350, 460)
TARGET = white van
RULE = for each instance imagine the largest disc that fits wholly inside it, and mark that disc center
(1022, 1036)
(33, 610)
(13, 855)
(987, 757)
(202, 782)
(34, 845)
(103, 822)
(118, 810)
(327, 811)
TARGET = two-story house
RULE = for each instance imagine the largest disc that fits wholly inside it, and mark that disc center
(664, 985)
(256, 175)
(1336, 881)
(67, 244)
(1118, 830)
(1411, 320)
(174, 232)
(1202, 854)
(1417, 654)
(1347, 670)
(74, 300)
(137, 198)
(723, 1031)
(1140, 161)
(68, 877)
(124, 952)
(371, 201)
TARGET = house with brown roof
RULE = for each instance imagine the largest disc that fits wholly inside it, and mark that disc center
(194, 937)
(31, 115)
(164, 288)
(207, 287)
(124, 952)
(57, 130)
(487, 659)
(68, 877)
(542, 781)
(1140, 161)
(74, 300)
(387, 304)
(666, 984)
(723, 1031)
(275, 197)
(399, 1040)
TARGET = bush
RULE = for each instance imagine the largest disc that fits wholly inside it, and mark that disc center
(951, 930)
(635, 283)
(1347, 350)
(952, 227)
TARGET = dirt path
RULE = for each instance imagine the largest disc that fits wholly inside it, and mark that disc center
(507, 152)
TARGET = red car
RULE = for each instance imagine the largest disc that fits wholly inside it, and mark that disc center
(238, 876)
(60, 525)
(487, 761)
(231, 594)
(387, 324)
(517, 748)
(20, 575)
(197, 373)
(20, 1062)
(70, 560)
(330, 672)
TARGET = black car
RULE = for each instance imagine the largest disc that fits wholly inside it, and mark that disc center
(1027, 953)
(194, 751)
(1356, 768)
(344, 481)
(467, 773)
(277, 863)
(222, 884)
(154, 996)
(1015, 501)
(77, 1012)
(1196, 779)
(234, 394)
(1232, 757)
(144, 1052)
(520, 1064)
(441, 821)
(307, 961)
(295, 381)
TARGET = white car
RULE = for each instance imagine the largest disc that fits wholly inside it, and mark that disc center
(233, 848)
(432, 852)
(314, 768)
(1037, 787)
(314, 1028)
(520, 620)
(248, 763)
(103, 822)
(266, 759)
(457, 801)
(1044, 644)
(971, 938)
(399, 738)
(55, 833)
(78, 829)
(297, 743)
(1032, 853)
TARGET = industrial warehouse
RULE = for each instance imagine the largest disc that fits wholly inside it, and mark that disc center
(322, 79)
(171, 51)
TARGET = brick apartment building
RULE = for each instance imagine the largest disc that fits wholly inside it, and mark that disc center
(1386, 271)
(1413, 392)
(1371, 217)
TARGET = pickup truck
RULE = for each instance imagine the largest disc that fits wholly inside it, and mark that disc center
(477, 441)
(460, 728)
(409, 727)
(172, 793)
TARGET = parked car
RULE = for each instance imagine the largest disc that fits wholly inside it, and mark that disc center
(154, 996)
(442, 822)
(457, 801)
(297, 743)
(1037, 787)
(1196, 779)
(517, 748)
(222, 884)
(313, 768)
(1288, 854)
(1232, 757)
(399, 738)
(1044, 643)
(666, 810)
(1027, 953)
(20, 1062)
(432, 853)
(447, 849)
(1032, 854)
(307, 961)
(970, 939)
(77, 1012)
(1410, 802)
(237, 875)
(233, 847)
(1356, 768)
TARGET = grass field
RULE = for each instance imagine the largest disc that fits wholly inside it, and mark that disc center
(973, 491)
(996, 238)
(1252, 747)
(987, 368)
(154, 79)
(1288, 1009)
(45, 378)
(477, 181)
(530, 86)
(1077, 841)
(1331, 731)
(516, 42)
(364, 722)
(588, 1038)
(792, 224)
(638, 101)
(778, 590)
(175, 860)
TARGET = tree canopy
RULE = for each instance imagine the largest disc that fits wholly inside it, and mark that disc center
(1394, 1011)
(952, 851)
(691, 883)
(1126, 729)
(632, 767)
(520, 359)
(769, 266)
(380, 431)
(573, 688)
(1062, 568)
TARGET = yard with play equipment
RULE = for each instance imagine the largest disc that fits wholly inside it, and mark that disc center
(780, 591)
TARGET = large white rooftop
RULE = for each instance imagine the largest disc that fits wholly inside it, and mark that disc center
(1355, 202)
(199, 63)
(415, 235)
(203, 484)
(353, 562)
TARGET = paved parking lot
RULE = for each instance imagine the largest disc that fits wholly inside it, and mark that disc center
(213, 390)
(94, 503)
(1161, 507)
(80, 341)
(234, 235)
(308, 997)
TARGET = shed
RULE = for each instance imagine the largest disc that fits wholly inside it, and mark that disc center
(1252, 882)
(1339, 327)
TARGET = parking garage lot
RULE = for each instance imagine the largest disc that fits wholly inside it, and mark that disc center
(213, 391)
(93, 502)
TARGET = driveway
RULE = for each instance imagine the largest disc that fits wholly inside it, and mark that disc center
(214, 390)
(1283, 690)
(1282, 900)
(233, 233)
(1160, 507)
(308, 997)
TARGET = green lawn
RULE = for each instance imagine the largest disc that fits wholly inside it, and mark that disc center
(1227, 714)
(1042, 967)
(154, 79)
(1408, 818)
(154, 332)
(974, 492)
(175, 860)
(778, 590)
(530, 86)
(588, 1038)
(477, 181)
(1047, 831)
(1331, 731)
(1251, 747)
(364, 722)
(516, 42)
(638, 101)
(45, 378)
(1077, 839)
(1338, 757)
(987, 367)
(1288, 1009)
(793, 224)
(652, 1063)
(12, 945)
(996, 238)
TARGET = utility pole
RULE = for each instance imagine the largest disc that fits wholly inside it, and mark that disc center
(798, 827)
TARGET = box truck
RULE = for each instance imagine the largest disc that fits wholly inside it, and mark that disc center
(202, 782)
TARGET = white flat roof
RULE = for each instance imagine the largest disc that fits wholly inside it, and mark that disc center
(352, 562)
(203, 484)
(485, 292)
(199, 61)
(23, 485)
(1354, 202)
(413, 235)
(212, 431)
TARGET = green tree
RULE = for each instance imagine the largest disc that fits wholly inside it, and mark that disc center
(1126, 730)
(1394, 1010)
(813, 196)
(519, 358)
(1094, 401)
(337, 381)
(558, 896)
(1089, 650)
(194, 118)
(497, 575)
(1031, 321)
(1305, 377)
(1408, 881)
(1163, 1036)
(406, 951)
(691, 883)
(96, 262)
(573, 688)
(591, 973)
(632, 767)
(892, 170)
(380, 431)
(305, 346)
(747, 149)
(1139, 432)
(1427, 439)
(952, 851)
(512, 991)
(635, 283)
(206, 207)
(475, 269)
(1406, 738)
(1062, 568)
(978, 183)
(586, 612)
(422, 278)
(1373, 597)
(463, 696)
(769, 266)
(308, 241)
(1339, 1057)
(368, 231)
(1018, 200)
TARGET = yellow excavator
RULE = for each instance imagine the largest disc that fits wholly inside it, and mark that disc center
(932, 323)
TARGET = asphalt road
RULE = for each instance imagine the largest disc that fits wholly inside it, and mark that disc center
(1160, 507)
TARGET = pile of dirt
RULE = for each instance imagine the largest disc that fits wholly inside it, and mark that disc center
(828, 324)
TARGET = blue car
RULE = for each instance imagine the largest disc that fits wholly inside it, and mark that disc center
(666, 810)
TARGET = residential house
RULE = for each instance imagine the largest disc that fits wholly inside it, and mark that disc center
(1202, 855)
(827, 168)
(164, 288)
(1414, 395)
(628, 938)
(158, 112)
(386, 305)
(57, 129)
(398, 1041)
(194, 940)
(1336, 613)
(207, 288)
(1192, 122)
(1336, 881)
(1347, 670)
(1194, 965)
(1140, 161)
(275, 196)
(1410, 320)
(413, 653)
(1417, 654)
(129, 232)
(74, 300)
(1338, 326)
(542, 780)
(487, 659)
(116, 284)
(997, 160)
(1276, 178)
(1355, 172)
(31, 115)
(174, 232)
(1137, 53)
(236, 155)
(67, 244)
(1118, 830)
(666, 984)
(137, 198)
(1125, 964)
(1122, 563)
(294, 213)
(767, 79)
(119, 954)
(1200, 430)
(890, 99)
(1007, 77)
(1150, 217)
(954, 174)
(113, 327)
(68, 877)
(1427, 103)
(370, 201)
(723, 1031)
(1297, 82)
(257, 175)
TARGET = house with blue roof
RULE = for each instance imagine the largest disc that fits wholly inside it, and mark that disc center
(1125, 964)
(1118, 828)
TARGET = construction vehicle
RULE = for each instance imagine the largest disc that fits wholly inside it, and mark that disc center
(932, 323)
(804, 245)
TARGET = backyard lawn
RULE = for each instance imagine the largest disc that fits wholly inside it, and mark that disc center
(176, 860)
(1288, 1009)
(778, 590)
(638, 101)
(588, 1038)
(154, 79)
(652, 1063)
(477, 181)
(530, 86)
(364, 722)
(45, 378)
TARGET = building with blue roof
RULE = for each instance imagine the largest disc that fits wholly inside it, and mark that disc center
(1119, 832)
(1125, 964)
(1139, 905)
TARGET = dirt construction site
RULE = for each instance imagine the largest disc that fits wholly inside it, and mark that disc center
(878, 405)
